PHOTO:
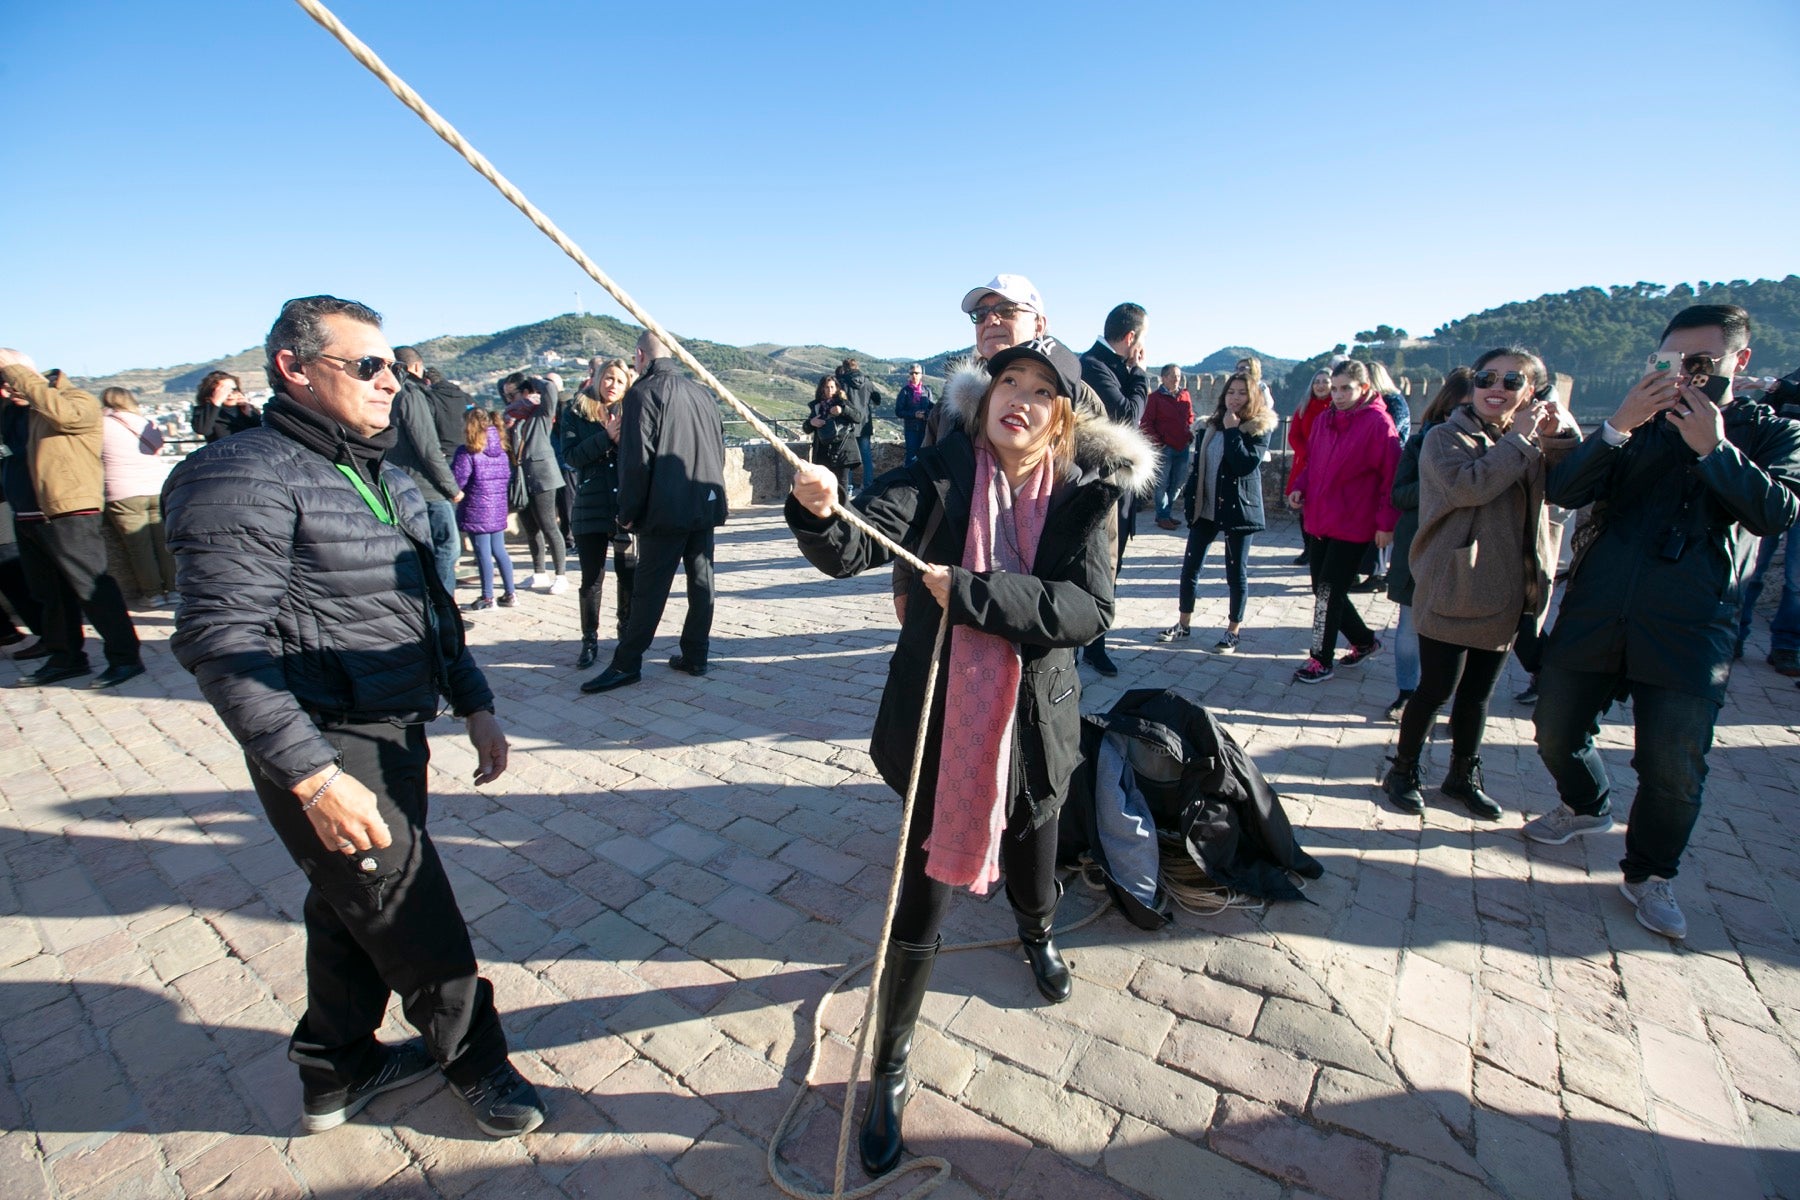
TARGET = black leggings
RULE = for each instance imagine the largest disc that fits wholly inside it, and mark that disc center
(591, 548)
(1443, 669)
(1333, 565)
(1237, 553)
(537, 521)
(1029, 863)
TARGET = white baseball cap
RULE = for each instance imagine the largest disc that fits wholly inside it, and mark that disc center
(1014, 288)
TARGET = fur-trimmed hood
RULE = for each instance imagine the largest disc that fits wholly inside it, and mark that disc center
(1261, 425)
(1103, 447)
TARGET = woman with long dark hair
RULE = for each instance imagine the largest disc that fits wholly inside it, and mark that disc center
(1224, 496)
(836, 424)
(1483, 557)
(591, 450)
(1017, 499)
(221, 408)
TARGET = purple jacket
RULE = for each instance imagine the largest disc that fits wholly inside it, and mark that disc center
(483, 478)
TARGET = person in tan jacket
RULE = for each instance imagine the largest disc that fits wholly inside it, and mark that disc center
(61, 546)
(1482, 558)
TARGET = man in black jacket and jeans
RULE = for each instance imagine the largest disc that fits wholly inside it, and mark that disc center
(419, 453)
(1682, 487)
(1114, 368)
(313, 619)
(672, 495)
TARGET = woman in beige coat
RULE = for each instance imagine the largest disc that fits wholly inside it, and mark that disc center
(1482, 558)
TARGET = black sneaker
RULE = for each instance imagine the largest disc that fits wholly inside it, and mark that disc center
(406, 1063)
(504, 1102)
(1398, 707)
(509, 599)
(1097, 658)
(1529, 695)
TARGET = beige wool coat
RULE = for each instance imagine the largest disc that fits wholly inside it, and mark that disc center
(1486, 548)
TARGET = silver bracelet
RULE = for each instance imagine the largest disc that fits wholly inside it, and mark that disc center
(323, 788)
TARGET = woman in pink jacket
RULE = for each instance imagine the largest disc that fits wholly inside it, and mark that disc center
(1344, 494)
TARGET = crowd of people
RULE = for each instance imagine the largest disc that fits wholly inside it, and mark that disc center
(315, 546)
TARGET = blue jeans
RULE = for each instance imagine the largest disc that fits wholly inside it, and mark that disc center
(1406, 651)
(868, 461)
(1174, 474)
(1784, 626)
(446, 541)
(1674, 732)
(490, 549)
(914, 432)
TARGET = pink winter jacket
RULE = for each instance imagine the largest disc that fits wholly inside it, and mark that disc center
(1345, 487)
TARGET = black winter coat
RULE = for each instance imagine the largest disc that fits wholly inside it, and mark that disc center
(417, 451)
(671, 455)
(834, 442)
(449, 407)
(591, 453)
(861, 397)
(1238, 489)
(1405, 496)
(1654, 598)
(1122, 388)
(1066, 602)
(300, 607)
(211, 422)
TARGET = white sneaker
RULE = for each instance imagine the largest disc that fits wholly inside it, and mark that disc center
(559, 585)
(531, 582)
(1563, 823)
(1656, 907)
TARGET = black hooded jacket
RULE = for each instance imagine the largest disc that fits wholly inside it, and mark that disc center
(301, 606)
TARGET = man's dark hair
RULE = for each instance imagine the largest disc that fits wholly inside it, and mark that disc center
(513, 380)
(1123, 319)
(1734, 321)
(530, 387)
(406, 356)
(433, 375)
(301, 329)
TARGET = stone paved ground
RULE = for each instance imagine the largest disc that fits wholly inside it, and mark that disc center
(669, 875)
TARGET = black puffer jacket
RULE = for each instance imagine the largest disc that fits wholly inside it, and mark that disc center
(299, 606)
(591, 453)
(1655, 597)
(1066, 602)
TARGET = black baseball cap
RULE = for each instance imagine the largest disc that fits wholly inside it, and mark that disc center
(1047, 350)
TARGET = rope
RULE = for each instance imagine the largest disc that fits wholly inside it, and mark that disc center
(407, 96)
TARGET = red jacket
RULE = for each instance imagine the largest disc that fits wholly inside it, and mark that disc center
(1169, 420)
(1300, 430)
(1346, 490)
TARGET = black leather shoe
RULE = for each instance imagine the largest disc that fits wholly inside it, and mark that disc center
(114, 676)
(11, 638)
(680, 663)
(590, 653)
(49, 674)
(37, 649)
(609, 679)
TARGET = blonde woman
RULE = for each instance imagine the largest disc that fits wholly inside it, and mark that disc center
(590, 445)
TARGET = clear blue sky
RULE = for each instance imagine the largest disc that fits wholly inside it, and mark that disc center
(1280, 174)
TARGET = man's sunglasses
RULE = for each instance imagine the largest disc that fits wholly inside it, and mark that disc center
(367, 367)
(1005, 311)
(1699, 364)
(1512, 381)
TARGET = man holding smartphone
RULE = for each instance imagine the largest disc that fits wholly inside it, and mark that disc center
(1683, 478)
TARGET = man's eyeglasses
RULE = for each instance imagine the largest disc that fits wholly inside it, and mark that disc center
(367, 367)
(1512, 381)
(1006, 311)
(1699, 364)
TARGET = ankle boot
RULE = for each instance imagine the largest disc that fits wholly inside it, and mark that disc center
(1047, 967)
(1464, 783)
(1402, 784)
(590, 651)
(904, 977)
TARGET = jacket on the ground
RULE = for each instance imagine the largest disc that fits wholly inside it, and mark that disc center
(1655, 595)
(592, 454)
(1169, 420)
(417, 452)
(301, 607)
(1346, 487)
(1064, 603)
(1237, 488)
(63, 443)
(1486, 548)
(483, 479)
(1300, 432)
(671, 455)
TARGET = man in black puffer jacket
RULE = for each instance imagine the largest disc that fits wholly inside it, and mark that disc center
(313, 619)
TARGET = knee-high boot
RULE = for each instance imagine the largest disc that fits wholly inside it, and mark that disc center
(903, 982)
(1047, 967)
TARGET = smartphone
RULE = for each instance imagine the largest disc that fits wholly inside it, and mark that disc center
(1715, 386)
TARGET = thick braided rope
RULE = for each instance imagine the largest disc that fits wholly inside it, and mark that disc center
(407, 96)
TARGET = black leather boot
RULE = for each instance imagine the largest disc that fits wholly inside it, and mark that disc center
(1402, 784)
(590, 651)
(1047, 966)
(904, 977)
(1464, 783)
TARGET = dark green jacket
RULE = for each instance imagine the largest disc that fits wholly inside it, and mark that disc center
(1654, 599)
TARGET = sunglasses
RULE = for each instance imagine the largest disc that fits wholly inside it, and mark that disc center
(1006, 311)
(367, 367)
(1512, 381)
(1699, 364)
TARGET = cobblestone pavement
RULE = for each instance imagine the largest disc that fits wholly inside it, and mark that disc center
(669, 875)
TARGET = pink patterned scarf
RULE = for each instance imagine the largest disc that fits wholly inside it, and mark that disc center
(983, 688)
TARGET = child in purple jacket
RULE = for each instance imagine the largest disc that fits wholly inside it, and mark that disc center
(483, 469)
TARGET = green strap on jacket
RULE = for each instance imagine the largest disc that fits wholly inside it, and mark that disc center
(382, 506)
